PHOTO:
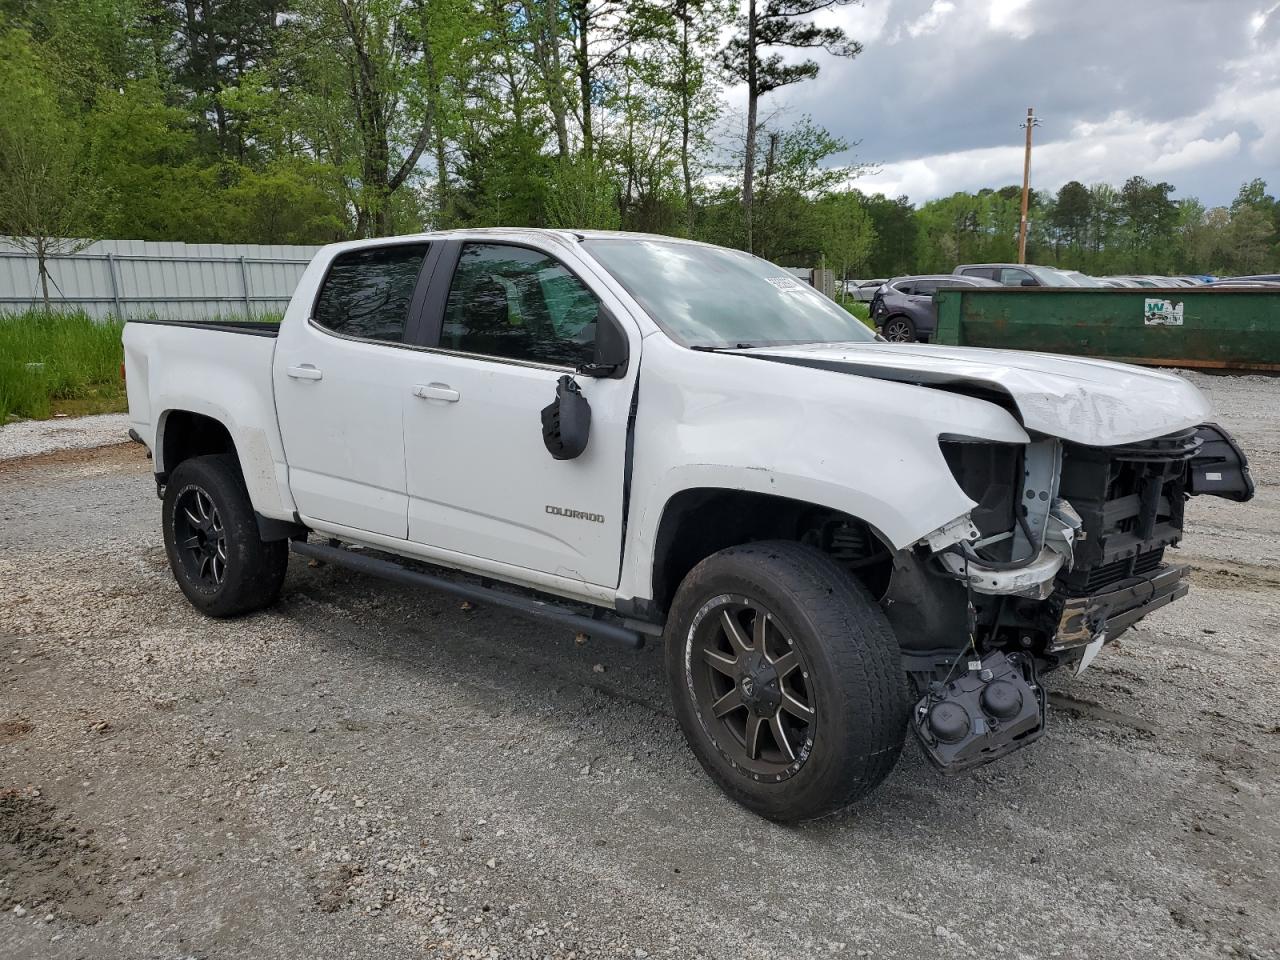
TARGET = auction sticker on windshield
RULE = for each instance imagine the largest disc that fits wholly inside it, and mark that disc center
(785, 283)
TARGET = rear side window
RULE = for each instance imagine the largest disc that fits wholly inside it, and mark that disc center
(986, 273)
(367, 293)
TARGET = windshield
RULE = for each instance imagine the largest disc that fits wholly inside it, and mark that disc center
(1083, 279)
(705, 296)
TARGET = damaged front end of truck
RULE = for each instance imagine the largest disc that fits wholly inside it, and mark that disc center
(1064, 550)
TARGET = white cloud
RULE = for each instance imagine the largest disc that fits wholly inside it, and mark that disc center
(1011, 17)
(932, 20)
(1240, 123)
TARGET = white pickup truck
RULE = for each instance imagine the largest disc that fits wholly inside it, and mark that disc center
(838, 538)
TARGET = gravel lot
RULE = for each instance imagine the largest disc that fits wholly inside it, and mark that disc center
(29, 438)
(366, 771)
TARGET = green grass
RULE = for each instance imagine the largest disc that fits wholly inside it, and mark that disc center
(68, 363)
(59, 362)
(860, 310)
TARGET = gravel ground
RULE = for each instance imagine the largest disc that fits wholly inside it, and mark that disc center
(29, 438)
(370, 771)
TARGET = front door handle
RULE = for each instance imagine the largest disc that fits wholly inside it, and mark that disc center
(305, 371)
(436, 391)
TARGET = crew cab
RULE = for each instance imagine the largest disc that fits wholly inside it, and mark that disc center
(641, 436)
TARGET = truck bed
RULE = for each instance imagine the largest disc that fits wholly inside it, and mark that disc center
(255, 328)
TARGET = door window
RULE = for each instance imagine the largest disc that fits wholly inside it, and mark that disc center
(1015, 278)
(926, 288)
(986, 273)
(367, 292)
(520, 304)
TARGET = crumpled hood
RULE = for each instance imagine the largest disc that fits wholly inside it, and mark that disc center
(1094, 402)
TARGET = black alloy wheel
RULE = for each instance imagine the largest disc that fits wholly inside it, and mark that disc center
(750, 682)
(213, 541)
(200, 536)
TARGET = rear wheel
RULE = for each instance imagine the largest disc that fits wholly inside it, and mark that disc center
(787, 680)
(899, 330)
(211, 537)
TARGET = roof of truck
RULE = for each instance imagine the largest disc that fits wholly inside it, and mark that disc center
(566, 237)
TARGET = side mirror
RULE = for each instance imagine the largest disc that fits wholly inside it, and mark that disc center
(612, 351)
(1029, 282)
(566, 421)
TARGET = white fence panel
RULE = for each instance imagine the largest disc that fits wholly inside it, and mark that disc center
(140, 278)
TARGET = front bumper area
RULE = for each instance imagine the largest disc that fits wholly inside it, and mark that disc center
(1108, 613)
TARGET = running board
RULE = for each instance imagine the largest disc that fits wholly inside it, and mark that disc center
(529, 606)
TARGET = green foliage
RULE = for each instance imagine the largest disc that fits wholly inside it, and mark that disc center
(46, 357)
(582, 195)
(52, 195)
(310, 121)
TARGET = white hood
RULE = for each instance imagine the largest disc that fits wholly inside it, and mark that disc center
(1094, 402)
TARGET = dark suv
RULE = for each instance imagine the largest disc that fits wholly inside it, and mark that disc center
(903, 309)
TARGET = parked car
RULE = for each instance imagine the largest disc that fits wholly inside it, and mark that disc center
(903, 310)
(1082, 279)
(865, 290)
(1016, 274)
(1245, 282)
(685, 441)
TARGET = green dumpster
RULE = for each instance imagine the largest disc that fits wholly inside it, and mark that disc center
(1223, 328)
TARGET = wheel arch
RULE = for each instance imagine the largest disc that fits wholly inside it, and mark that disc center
(183, 433)
(699, 521)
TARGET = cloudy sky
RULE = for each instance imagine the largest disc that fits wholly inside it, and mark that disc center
(1186, 91)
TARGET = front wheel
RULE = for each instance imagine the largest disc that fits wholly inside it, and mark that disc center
(211, 537)
(787, 680)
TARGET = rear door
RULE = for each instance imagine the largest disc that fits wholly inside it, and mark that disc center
(340, 380)
(515, 319)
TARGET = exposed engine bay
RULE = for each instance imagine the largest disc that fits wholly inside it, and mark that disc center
(1063, 552)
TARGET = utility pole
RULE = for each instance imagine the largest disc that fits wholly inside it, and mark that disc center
(1032, 121)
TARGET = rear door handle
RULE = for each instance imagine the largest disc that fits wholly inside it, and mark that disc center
(305, 371)
(436, 391)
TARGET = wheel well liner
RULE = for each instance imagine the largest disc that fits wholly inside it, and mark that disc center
(185, 435)
(703, 520)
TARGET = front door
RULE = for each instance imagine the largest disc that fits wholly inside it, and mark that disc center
(340, 379)
(481, 482)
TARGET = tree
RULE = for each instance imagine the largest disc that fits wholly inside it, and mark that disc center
(51, 194)
(1250, 239)
(367, 58)
(1071, 212)
(846, 233)
(896, 225)
(696, 24)
(766, 25)
(214, 44)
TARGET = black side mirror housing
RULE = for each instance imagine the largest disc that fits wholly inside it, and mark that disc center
(566, 421)
(612, 352)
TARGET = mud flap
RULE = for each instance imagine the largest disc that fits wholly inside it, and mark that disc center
(1220, 468)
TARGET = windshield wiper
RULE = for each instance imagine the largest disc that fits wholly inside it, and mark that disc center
(705, 348)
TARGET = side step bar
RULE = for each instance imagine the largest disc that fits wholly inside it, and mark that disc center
(529, 606)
